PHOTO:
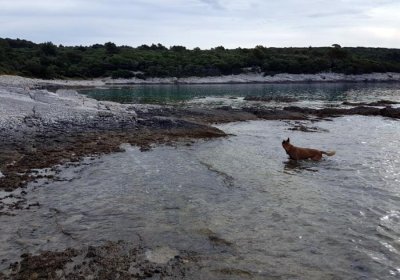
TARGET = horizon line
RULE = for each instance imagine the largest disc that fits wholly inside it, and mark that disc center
(189, 48)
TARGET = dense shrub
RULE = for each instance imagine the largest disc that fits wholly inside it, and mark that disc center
(47, 60)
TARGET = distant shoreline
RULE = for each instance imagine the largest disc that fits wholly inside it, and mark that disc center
(251, 78)
(43, 124)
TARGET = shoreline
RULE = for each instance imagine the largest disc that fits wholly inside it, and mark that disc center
(40, 129)
(249, 78)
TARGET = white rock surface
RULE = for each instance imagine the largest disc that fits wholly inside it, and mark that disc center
(16, 103)
(9, 80)
(260, 78)
(19, 96)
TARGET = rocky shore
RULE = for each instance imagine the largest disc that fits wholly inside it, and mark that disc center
(40, 128)
(229, 79)
(113, 260)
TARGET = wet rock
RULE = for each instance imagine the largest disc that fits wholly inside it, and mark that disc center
(36, 204)
(210, 115)
(112, 260)
(58, 148)
(376, 103)
(332, 112)
(214, 238)
(43, 266)
(283, 99)
(234, 272)
(277, 114)
(218, 240)
(226, 108)
(304, 128)
(390, 112)
(91, 252)
(66, 126)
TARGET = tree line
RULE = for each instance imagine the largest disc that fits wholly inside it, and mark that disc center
(47, 60)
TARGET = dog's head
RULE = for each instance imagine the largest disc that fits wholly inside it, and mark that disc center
(286, 144)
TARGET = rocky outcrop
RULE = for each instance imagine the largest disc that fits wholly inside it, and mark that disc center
(376, 103)
(228, 79)
(39, 129)
(121, 259)
(359, 110)
(284, 99)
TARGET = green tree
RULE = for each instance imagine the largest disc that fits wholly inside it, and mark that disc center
(111, 48)
(48, 48)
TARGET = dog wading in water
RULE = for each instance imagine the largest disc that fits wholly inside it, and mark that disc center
(297, 153)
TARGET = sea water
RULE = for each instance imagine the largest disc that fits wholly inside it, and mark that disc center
(237, 203)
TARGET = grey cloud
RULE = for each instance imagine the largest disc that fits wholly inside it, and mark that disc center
(203, 23)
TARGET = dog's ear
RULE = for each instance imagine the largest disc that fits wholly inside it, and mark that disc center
(288, 140)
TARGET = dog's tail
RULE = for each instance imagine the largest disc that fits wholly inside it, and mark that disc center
(330, 153)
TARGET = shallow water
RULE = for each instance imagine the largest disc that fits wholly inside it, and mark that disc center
(237, 203)
(172, 94)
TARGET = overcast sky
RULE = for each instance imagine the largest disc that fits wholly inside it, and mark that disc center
(204, 23)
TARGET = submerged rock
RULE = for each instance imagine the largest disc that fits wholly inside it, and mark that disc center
(285, 99)
(359, 110)
(304, 128)
(376, 103)
(277, 114)
(39, 128)
(390, 112)
(112, 260)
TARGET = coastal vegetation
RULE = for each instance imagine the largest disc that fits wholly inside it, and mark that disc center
(49, 61)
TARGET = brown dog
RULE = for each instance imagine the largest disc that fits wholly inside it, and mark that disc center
(297, 153)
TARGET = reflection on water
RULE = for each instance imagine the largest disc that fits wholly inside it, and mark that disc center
(299, 166)
(327, 92)
(238, 203)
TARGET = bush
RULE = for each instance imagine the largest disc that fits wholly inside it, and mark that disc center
(48, 49)
(111, 48)
(46, 60)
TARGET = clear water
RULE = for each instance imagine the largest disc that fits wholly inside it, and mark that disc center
(237, 203)
(172, 94)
